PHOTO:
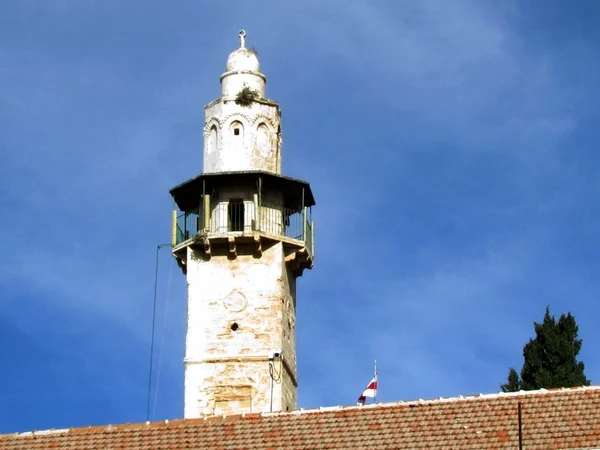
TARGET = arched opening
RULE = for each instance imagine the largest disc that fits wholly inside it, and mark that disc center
(213, 140)
(263, 141)
(236, 130)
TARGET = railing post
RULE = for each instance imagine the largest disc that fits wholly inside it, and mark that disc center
(304, 223)
(312, 239)
(256, 213)
(185, 230)
(206, 212)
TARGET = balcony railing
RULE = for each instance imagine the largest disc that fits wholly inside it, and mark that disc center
(246, 217)
(187, 225)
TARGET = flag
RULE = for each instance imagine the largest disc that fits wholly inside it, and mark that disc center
(370, 391)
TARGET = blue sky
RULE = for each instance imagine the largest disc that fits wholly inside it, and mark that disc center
(451, 147)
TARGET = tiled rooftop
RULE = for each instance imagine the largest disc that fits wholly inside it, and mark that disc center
(551, 419)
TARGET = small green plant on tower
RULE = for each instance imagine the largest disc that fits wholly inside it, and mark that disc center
(246, 96)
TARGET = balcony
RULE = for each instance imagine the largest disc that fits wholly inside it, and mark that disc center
(239, 218)
(240, 213)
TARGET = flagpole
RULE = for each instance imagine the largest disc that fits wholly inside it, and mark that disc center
(376, 380)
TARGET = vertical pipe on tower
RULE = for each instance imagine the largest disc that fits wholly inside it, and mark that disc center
(174, 228)
(206, 212)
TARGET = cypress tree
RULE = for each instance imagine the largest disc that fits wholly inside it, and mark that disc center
(550, 359)
(513, 383)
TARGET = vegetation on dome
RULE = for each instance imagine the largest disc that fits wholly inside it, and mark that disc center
(246, 96)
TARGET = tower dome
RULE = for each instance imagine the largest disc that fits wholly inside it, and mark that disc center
(243, 69)
(243, 60)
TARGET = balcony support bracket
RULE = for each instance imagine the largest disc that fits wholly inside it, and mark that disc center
(232, 247)
(204, 242)
(258, 245)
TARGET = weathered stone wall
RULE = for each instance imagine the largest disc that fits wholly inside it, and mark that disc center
(289, 383)
(240, 311)
(257, 144)
(233, 82)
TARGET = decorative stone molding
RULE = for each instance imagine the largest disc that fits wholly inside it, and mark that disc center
(235, 301)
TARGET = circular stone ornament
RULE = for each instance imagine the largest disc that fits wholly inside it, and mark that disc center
(235, 301)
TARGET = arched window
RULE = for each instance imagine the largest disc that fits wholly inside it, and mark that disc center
(237, 130)
(213, 140)
(263, 141)
(236, 137)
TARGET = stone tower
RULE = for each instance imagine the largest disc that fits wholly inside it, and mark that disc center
(242, 235)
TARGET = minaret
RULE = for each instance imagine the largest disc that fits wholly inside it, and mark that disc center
(242, 235)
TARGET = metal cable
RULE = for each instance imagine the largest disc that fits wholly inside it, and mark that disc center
(158, 247)
(162, 339)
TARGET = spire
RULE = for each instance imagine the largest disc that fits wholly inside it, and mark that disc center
(242, 35)
(243, 59)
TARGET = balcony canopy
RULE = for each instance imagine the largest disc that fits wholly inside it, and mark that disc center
(296, 193)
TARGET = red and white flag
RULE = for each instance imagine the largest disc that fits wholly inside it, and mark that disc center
(370, 391)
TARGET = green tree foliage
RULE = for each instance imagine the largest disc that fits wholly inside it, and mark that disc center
(550, 359)
(513, 382)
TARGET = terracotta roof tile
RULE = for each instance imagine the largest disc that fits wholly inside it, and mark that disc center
(556, 419)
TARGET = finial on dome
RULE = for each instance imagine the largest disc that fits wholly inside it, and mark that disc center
(242, 35)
